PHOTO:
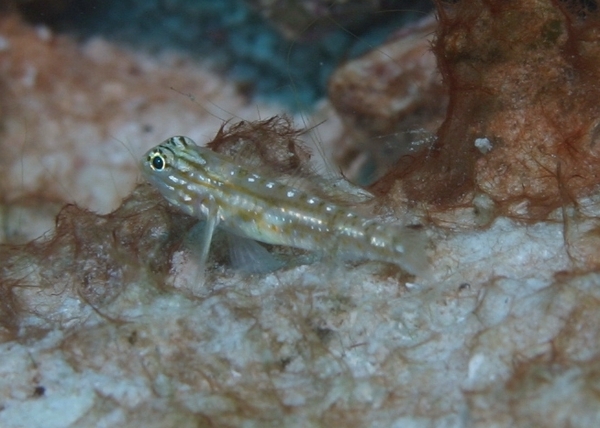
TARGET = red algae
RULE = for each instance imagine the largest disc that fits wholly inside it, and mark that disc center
(522, 77)
(272, 143)
(89, 258)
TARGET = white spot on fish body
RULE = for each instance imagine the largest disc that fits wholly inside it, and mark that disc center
(176, 180)
(377, 242)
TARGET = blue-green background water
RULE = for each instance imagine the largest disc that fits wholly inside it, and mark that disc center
(234, 38)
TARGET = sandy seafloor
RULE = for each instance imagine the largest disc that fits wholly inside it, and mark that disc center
(502, 331)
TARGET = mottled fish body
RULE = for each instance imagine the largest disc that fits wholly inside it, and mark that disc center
(213, 187)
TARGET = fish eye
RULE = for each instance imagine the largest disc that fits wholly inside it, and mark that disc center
(157, 161)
